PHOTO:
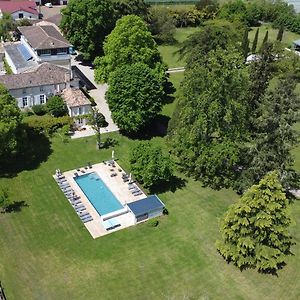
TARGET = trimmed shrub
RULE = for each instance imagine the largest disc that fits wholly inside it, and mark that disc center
(153, 223)
(47, 124)
(39, 109)
(56, 106)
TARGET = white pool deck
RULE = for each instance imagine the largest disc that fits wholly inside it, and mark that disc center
(117, 187)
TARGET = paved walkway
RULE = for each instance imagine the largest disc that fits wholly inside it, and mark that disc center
(98, 94)
(176, 70)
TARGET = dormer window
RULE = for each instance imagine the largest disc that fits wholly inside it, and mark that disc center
(44, 52)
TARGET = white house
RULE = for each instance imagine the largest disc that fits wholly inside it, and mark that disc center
(78, 105)
(38, 44)
(37, 85)
(19, 9)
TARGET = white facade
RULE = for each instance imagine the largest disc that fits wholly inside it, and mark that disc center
(78, 111)
(21, 14)
(30, 96)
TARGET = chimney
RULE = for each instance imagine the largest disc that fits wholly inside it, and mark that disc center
(67, 79)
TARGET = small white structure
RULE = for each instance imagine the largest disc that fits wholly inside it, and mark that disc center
(19, 9)
(146, 208)
(78, 105)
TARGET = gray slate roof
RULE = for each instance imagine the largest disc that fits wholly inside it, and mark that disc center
(146, 205)
(44, 74)
(17, 58)
(44, 37)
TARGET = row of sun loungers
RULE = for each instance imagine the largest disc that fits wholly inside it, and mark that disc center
(73, 199)
(134, 189)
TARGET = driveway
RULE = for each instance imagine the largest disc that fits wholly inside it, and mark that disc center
(98, 93)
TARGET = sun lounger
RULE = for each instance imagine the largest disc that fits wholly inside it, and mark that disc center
(79, 205)
(86, 217)
(139, 193)
(74, 203)
(83, 214)
(64, 185)
(76, 174)
(87, 220)
(60, 176)
(131, 186)
(78, 210)
(125, 179)
(113, 174)
(135, 192)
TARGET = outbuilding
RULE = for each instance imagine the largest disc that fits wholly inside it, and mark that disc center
(146, 208)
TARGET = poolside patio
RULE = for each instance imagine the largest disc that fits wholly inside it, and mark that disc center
(117, 186)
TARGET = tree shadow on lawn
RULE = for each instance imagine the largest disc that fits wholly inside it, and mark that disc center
(15, 206)
(35, 149)
(157, 128)
(172, 185)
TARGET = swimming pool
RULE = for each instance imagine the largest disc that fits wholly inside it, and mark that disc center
(103, 200)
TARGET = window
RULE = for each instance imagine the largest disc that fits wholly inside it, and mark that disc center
(42, 99)
(62, 51)
(24, 91)
(41, 88)
(44, 52)
(79, 110)
(25, 101)
(21, 16)
(141, 217)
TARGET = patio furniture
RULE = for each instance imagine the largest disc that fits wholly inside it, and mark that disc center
(78, 210)
(113, 174)
(84, 215)
(138, 194)
(87, 219)
(76, 174)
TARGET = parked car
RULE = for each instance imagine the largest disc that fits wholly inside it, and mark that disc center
(49, 5)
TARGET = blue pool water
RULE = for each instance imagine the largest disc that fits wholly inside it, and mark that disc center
(98, 193)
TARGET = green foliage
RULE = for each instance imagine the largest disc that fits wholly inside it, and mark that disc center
(6, 26)
(130, 42)
(254, 44)
(265, 40)
(162, 25)
(10, 123)
(213, 35)
(280, 33)
(233, 10)
(211, 117)
(255, 228)
(4, 199)
(131, 7)
(86, 23)
(47, 124)
(135, 96)
(150, 165)
(273, 133)
(7, 67)
(97, 121)
(56, 106)
(187, 17)
(245, 44)
(152, 223)
(208, 8)
(39, 109)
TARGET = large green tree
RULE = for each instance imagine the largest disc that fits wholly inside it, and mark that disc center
(150, 165)
(215, 34)
(86, 23)
(130, 42)
(273, 133)
(10, 123)
(135, 96)
(210, 119)
(255, 228)
(162, 24)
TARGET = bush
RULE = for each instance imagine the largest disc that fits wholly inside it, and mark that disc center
(27, 112)
(39, 109)
(150, 165)
(47, 124)
(153, 223)
(56, 106)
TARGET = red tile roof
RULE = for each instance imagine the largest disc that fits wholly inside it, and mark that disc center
(14, 6)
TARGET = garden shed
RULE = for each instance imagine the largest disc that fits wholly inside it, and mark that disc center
(146, 208)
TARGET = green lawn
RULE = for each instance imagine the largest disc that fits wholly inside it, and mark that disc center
(46, 253)
(288, 37)
(171, 58)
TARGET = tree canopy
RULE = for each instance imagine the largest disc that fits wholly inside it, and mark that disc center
(210, 118)
(255, 229)
(135, 96)
(86, 23)
(10, 123)
(56, 106)
(150, 165)
(221, 34)
(130, 42)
